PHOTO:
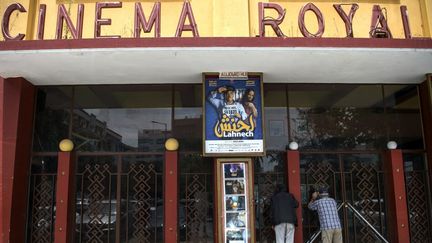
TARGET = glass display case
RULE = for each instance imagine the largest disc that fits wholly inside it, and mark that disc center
(235, 207)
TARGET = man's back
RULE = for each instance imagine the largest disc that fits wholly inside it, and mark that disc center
(283, 208)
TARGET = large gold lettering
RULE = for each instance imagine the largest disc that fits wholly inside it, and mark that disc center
(227, 125)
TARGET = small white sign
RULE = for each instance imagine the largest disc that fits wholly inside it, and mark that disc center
(233, 75)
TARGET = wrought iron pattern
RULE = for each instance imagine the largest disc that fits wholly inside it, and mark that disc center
(417, 193)
(42, 213)
(98, 176)
(365, 180)
(348, 180)
(266, 188)
(142, 177)
(196, 207)
(120, 199)
(320, 174)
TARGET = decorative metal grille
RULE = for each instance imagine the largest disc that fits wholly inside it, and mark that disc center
(419, 217)
(348, 180)
(194, 209)
(142, 177)
(320, 174)
(98, 176)
(365, 181)
(120, 199)
(43, 208)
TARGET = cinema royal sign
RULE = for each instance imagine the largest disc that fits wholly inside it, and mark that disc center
(379, 26)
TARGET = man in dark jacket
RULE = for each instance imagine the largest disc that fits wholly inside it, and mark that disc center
(283, 205)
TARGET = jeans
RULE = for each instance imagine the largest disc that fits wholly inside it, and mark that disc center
(284, 233)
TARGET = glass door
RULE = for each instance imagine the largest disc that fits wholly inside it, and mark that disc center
(356, 182)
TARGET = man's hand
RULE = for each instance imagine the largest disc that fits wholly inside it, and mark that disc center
(315, 195)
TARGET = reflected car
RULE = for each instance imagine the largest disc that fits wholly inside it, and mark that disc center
(101, 215)
(370, 209)
(49, 213)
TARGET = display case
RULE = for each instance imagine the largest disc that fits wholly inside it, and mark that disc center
(235, 201)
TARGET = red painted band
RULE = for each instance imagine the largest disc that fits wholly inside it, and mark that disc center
(217, 42)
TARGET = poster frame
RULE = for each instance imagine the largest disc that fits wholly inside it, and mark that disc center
(215, 75)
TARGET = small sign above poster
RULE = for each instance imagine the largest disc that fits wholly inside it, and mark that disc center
(233, 75)
(233, 116)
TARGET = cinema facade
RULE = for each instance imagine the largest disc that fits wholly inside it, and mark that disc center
(345, 102)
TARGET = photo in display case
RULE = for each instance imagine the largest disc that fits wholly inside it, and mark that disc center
(235, 203)
(236, 236)
(236, 220)
(234, 187)
(234, 170)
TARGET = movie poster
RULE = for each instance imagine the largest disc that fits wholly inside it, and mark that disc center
(233, 121)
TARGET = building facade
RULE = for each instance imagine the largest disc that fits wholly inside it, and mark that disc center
(346, 103)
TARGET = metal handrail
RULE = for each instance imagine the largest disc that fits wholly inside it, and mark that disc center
(356, 213)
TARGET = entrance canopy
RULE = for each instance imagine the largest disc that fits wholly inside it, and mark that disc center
(183, 60)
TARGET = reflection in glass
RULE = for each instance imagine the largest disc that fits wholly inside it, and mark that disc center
(276, 117)
(41, 165)
(403, 118)
(328, 116)
(187, 123)
(52, 117)
(122, 118)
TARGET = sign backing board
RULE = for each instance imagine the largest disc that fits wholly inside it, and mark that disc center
(233, 116)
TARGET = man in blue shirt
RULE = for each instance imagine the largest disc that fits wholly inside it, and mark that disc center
(228, 105)
(331, 230)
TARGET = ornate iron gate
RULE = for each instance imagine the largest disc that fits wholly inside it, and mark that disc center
(353, 178)
(196, 198)
(41, 215)
(418, 195)
(119, 198)
(195, 210)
